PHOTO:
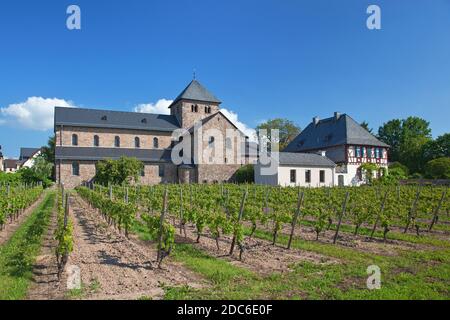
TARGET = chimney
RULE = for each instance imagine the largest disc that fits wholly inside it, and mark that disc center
(316, 120)
(337, 115)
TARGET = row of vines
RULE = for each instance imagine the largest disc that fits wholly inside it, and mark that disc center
(14, 200)
(233, 210)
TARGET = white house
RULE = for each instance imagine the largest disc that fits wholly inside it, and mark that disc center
(346, 143)
(27, 156)
(297, 169)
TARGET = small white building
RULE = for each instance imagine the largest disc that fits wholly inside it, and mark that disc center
(297, 169)
(27, 156)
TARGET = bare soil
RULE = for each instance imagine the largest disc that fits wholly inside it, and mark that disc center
(259, 255)
(10, 228)
(114, 267)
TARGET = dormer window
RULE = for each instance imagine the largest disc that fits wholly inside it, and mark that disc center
(104, 118)
(144, 120)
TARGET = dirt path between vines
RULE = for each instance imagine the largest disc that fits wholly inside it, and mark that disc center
(114, 267)
(46, 285)
(259, 255)
(10, 228)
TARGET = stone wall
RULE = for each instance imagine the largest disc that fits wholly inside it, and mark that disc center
(87, 173)
(183, 111)
(107, 137)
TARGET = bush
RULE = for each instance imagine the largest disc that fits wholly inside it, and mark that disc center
(122, 171)
(397, 166)
(246, 174)
(438, 168)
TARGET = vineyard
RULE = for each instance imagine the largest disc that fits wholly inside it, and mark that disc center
(226, 241)
(14, 200)
(227, 209)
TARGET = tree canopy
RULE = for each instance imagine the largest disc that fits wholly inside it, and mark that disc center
(288, 130)
(122, 171)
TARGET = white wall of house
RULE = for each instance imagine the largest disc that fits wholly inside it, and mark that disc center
(283, 176)
(30, 162)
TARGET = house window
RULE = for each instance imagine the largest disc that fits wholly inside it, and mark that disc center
(161, 170)
(117, 141)
(308, 176)
(74, 140)
(369, 152)
(358, 152)
(363, 152)
(155, 143)
(137, 142)
(75, 169)
(96, 141)
(322, 176)
(377, 153)
(293, 176)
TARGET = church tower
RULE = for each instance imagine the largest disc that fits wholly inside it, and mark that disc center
(193, 104)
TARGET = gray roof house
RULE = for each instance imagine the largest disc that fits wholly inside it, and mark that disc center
(331, 132)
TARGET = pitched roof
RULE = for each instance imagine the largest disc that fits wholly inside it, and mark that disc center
(331, 132)
(114, 119)
(195, 91)
(26, 153)
(304, 159)
(10, 163)
(92, 153)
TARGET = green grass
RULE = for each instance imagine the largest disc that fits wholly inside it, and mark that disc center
(422, 274)
(18, 255)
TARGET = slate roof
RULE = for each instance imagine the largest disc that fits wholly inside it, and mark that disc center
(333, 132)
(195, 91)
(94, 154)
(10, 163)
(114, 119)
(26, 153)
(304, 159)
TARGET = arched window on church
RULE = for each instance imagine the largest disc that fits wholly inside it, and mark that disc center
(96, 141)
(155, 143)
(74, 140)
(117, 142)
(137, 142)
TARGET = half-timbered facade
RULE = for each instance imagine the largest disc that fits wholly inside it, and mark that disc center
(345, 142)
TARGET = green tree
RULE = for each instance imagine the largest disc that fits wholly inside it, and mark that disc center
(288, 130)
(391, 133)
(438, 168)
(407, 139)
(246, 174)
(122, 171)
(48, 151)
(399, 168)
(365, 125)
(437, 148)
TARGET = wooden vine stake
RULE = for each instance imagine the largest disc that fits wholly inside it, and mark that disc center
(344, 207)
(161, 225)
(412, 210)
(241, 211)
(436, 211)
(383, 204)
(295, 217)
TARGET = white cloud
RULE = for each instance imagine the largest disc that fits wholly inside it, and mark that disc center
(36, 113)
(233, 117)
(160, 107)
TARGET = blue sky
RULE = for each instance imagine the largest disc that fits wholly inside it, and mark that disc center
(263, 58)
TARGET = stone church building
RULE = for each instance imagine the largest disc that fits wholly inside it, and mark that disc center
(85, 136)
